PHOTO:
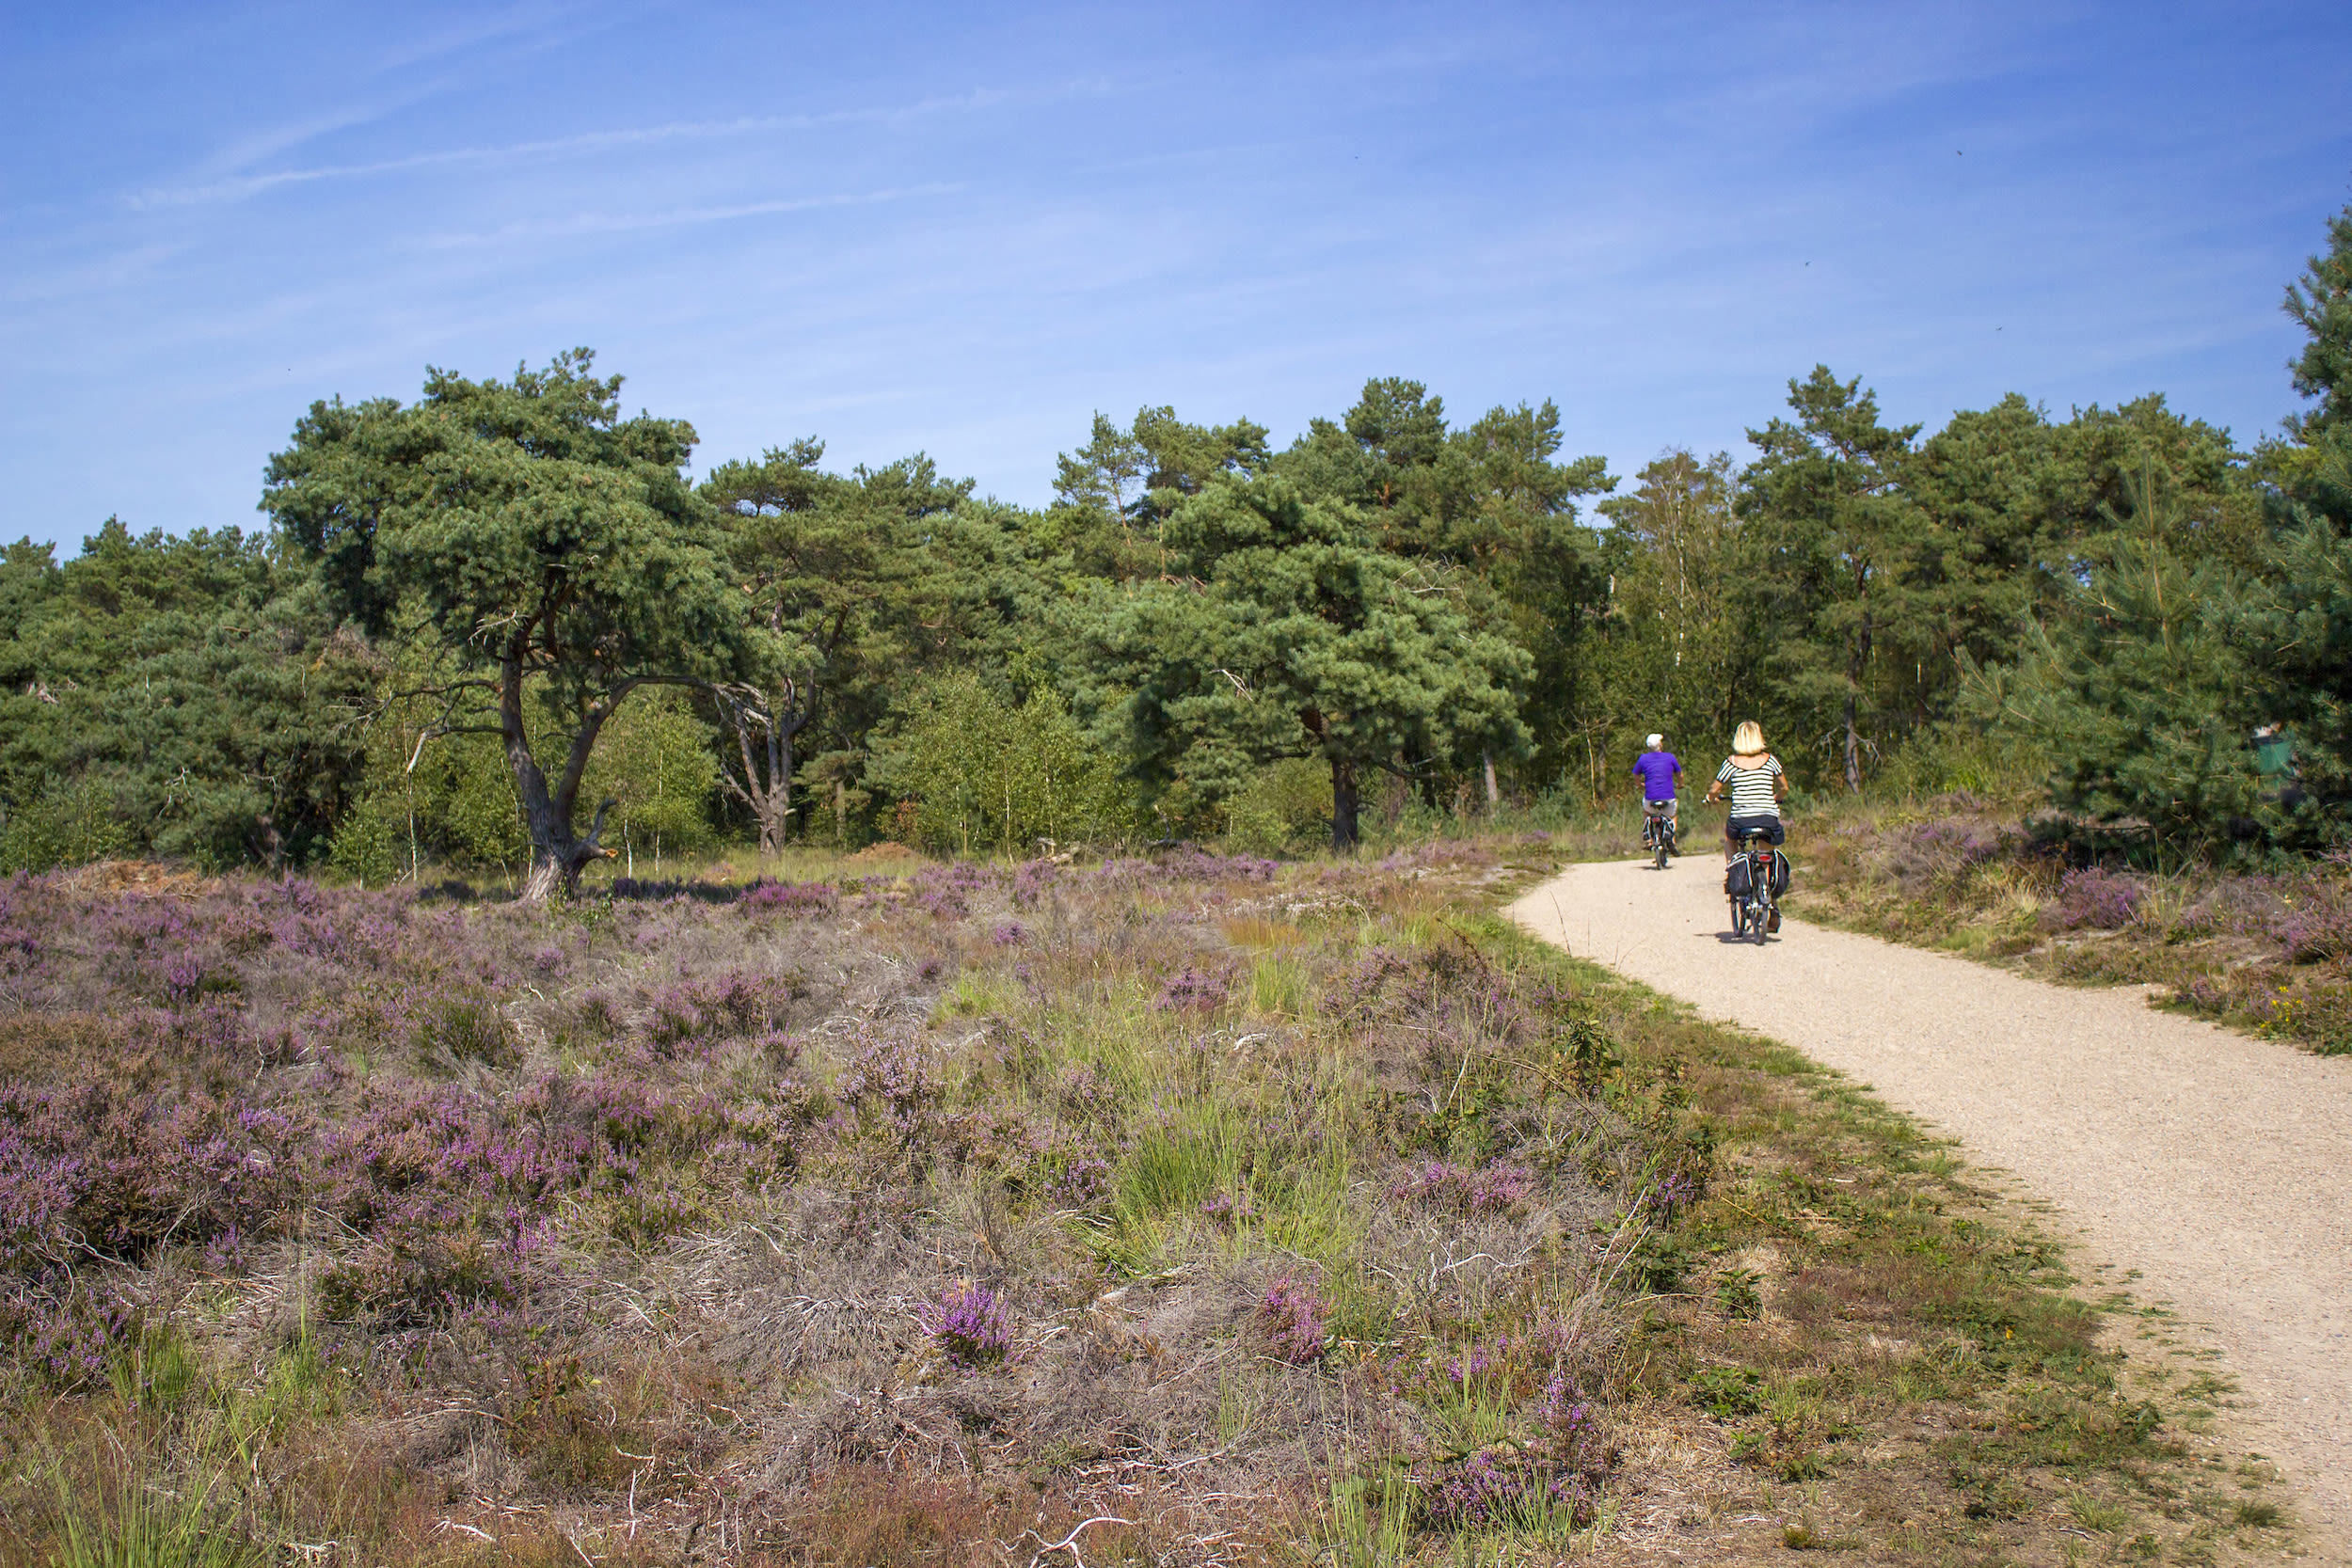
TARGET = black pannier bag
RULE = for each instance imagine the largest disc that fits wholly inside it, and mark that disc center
(1780, 875)
(1736, 877)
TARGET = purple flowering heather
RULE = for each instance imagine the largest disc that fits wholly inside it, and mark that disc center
(63, 1329)
(1229, 1209)
(1479, 1362)
(1083, 1094)
(1439, 1184)
(2319, 927)
(1292, 1317)
(1030, 882)
(721, 1007)
(890, 1076)
(968, 1325)
(1193, 991)
(1469, 1493)
(2096, 897)
(1567, 1417)
(1670, 1194)
(791, 900)
(1078, 1180)
(184, 975)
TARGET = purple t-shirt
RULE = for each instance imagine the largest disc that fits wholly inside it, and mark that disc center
(1656, 770)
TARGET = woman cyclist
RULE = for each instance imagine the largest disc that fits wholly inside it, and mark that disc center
(1757, 788)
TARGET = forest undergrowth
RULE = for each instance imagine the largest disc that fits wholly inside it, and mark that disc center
(1185, 1211)
(2269, 951)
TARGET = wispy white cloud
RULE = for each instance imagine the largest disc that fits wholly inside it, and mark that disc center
(526, 21)
(268, 141)
(621, 223)
(243, 187)
(103, 274)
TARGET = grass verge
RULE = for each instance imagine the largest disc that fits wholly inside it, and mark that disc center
(1855, 1346)
(2268, 951)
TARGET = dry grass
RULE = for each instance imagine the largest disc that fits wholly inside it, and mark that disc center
(1320, 1218)
(2270, 952)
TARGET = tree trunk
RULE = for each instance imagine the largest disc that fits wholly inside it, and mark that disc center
(557, 854)
(1858, 660)
(765, 782)
(1493, 792)
(1853, 751)
(776, 801)
(1344, 803)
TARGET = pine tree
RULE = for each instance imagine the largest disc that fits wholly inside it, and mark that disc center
(2140, 698)
(1831, 535)
(1282, 631)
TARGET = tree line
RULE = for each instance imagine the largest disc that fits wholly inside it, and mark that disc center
(498, 624)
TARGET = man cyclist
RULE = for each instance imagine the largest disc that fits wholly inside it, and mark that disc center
(1659, 771)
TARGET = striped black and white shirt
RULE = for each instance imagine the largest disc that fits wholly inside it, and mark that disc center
(1752, 793)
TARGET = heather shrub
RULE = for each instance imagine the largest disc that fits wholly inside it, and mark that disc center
(968, 1325)
(2096, 897)
(101, 1161)
(2318, 926)
(65, 1329)
(721, 1007)
(1071, 1175)
(892, 1087)
(468, 1029)
(1030, 882)
(1193, 991)
(486, 1158)
(423, 1266)
(1470, 1494)
(1439, 1184)
(1294, 1319)
(790, 901)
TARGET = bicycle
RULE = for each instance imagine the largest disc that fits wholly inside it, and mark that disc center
(1657, 829)
(1755, 910)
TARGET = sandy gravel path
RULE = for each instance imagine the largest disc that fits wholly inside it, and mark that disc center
(2217, 1165)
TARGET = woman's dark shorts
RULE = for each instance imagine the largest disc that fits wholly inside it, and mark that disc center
(1740, 826)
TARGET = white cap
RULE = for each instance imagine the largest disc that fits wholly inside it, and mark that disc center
(1655, 741)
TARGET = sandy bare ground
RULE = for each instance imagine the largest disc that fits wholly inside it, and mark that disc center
(2217, 1165)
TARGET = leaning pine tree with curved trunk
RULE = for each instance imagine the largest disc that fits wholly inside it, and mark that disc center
(550, 550)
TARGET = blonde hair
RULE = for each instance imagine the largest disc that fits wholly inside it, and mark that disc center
(1749, 739)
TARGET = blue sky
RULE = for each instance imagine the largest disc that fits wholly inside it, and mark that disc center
(963, 228)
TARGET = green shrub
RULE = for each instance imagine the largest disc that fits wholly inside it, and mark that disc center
(654, 762)
(74, 823)
(370, 843)
(981, 772)
(1287, 806)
